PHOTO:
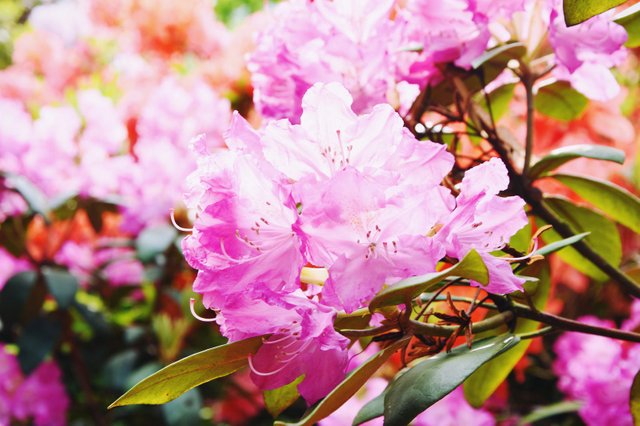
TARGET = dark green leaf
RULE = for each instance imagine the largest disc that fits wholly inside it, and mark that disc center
(577, 11)
(37, 341)
(471, 267)
(15, 294)
(371, 410)
(556, 409)
(560, 101)
(484, 382)
(630, 20)
(278, 400)
(558, 245)
(62, 286)
(348, 387)
(154, 240)
(187, 373)
(432, 379)
(614, 201)
(604, 238)
(558, 157)
(634, 399)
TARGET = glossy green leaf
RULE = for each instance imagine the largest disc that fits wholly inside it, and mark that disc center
(562, 407)
(604, 238)
(559, 245)
(427, 382)
(484, 382)
(634, 399)
(278, 400)
(630, 20)
(62, 285)
(577, 11)
(187, 373)
(471, 267)
(558, 157)
(154, 240)
(36, 342)
(560, 101)
(371, 410)
(347, 388)
(612, 200)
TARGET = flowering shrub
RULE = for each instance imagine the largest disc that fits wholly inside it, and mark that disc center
(372, 212)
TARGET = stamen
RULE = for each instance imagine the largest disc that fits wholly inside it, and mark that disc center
(192, 303)
(259, 373)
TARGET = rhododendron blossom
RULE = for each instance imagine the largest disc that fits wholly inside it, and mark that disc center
(355, 194)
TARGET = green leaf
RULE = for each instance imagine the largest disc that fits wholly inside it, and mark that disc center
(562, 407)
(471, 267)
(36, 200)
(499, 100)
(62, 286)
(614, 201)
(558, 245)
(558, 157)
(15, 294)
(577, 11)
(154, 240)
(560, 101)
(36, 342)
(432, 379)
(278, 400)
(347, 388)
(630, 20)
(604, 238)
(187, 373)
(484, 382)
(634, 399)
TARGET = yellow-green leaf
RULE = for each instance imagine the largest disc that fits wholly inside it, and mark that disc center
(278, 400)
(181, 376)
(484, 382)
(634, 399)
(604, 238)
(577, 11)
(348, 387)
(612, 200)
(630, 20)
(560, 101)
(471, 267)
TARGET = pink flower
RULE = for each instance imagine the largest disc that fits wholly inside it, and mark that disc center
(9, 266)
(585, 52)
(599, 372)
(322, 41)
(485, 222)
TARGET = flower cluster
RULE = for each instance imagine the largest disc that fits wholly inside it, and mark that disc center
(39, 398)
(599, 371)
(386, 52)
(356, 195)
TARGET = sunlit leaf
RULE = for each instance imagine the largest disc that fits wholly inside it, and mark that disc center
(634, 399)
(471, 267)
(427, 382)
(560, 101)
(347, 388)
(577, 11)
(484, 382)
(562, 407)
(181, 376)
(630, 20)
(604, 238)
(614, 201)
(558, 157)
(559, 245)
